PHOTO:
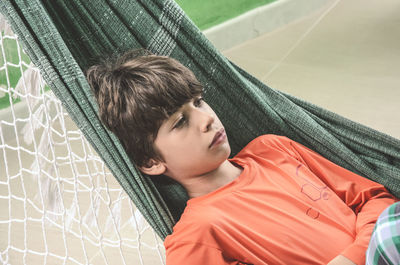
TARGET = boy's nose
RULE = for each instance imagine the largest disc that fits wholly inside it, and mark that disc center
(208, 120)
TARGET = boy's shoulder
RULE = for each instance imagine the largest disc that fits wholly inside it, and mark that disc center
(269, 146)
(270, 139)
(266, 143)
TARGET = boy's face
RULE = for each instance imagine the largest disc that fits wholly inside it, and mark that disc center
(192, 141)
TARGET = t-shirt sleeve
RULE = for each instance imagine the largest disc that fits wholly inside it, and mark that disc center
(195, 254)
(366, 198)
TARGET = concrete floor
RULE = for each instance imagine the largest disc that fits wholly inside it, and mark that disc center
(348, 63)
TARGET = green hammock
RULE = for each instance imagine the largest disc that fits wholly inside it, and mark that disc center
(63, 38)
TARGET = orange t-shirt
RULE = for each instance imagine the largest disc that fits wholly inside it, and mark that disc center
(288, 206)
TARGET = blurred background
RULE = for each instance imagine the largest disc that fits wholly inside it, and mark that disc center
(341, 55)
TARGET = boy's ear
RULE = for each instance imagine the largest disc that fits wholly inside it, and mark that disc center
(153, 168)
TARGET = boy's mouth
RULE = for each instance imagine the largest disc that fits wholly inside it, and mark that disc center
(220, 135)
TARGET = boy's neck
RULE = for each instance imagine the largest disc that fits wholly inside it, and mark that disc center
(211, 181)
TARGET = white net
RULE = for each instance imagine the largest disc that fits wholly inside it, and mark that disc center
(58, 202)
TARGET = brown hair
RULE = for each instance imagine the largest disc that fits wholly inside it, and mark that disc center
(136, 93)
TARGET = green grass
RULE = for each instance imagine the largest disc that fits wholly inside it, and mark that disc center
(208, 13)
(14, 72)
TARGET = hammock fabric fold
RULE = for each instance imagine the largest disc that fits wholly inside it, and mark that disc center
(63, 38)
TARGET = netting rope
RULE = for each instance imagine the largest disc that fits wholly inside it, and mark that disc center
(60, 204)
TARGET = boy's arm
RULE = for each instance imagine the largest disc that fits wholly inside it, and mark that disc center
(366, 198)
(341, 260)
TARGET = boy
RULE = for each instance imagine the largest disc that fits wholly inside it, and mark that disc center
(276, 202)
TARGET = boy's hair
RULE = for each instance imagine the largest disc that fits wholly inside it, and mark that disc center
(136, 93)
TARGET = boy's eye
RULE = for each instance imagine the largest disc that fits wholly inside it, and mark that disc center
(198, 101)
(180, 122)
